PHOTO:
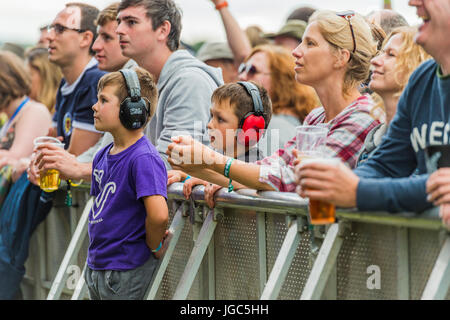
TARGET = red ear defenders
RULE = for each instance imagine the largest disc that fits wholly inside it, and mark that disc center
(133, 110)
(253, 124)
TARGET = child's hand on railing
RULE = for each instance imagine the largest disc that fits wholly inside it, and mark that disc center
(174, 176)
(190, 183)
(210, 191)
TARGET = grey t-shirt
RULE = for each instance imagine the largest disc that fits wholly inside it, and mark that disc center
(281, 129)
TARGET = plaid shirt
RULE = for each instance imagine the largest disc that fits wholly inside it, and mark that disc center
(346, 136)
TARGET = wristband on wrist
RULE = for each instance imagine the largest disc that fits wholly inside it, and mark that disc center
(157, 249)
(226, 173)
(187, 178)
(221, 5)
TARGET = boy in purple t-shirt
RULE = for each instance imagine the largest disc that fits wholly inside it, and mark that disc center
(129, 216)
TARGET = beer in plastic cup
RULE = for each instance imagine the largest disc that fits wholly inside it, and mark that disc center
(321, 212)
(49, 180)
(311, 141)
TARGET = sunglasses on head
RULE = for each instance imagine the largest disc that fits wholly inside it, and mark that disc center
(59, 28)
(250, 69)
(347, 15)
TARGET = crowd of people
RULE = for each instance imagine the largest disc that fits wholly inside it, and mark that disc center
(136, 111)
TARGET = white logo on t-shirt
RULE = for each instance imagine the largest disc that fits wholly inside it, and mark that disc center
(436, 133)
(98, 175)
(100, 200)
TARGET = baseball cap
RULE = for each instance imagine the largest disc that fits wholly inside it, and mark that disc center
(214, 50)
(293, 28)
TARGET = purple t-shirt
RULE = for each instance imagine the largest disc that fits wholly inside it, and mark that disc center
(117, 219)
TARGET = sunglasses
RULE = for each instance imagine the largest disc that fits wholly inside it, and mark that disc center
(250, 69)
(347, 15)
(59, 28)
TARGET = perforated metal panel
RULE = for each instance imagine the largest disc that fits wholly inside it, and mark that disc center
(364, 246)
(275, 232)
(299, 271)
(424, 248)
(236, 253)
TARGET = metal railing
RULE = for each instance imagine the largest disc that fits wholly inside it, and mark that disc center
(259, 245)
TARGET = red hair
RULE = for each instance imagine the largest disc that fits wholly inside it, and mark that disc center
(286, 92)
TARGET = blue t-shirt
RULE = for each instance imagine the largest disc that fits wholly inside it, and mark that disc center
(74, 109)
(117, 220)
(422, 119)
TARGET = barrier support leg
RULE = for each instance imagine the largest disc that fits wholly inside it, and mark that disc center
(71, 253)
(324, 264)
(196, 257)
(81, 288)
(439, 282)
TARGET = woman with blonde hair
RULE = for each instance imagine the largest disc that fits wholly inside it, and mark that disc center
(45, 77)
(20, 206)
(27, 119)
(333, 58)
(391, 69)
(273, 68)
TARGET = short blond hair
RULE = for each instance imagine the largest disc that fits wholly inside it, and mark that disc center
(108, 14)
(336, 31)
(146, 82)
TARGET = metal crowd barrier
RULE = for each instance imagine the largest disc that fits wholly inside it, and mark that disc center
(258, 245)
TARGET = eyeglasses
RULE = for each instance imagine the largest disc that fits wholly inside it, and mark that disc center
(347, 15)
(59, 28)
(250, 69)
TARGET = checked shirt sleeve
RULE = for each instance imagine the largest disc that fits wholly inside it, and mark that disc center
(278, 169)
(346, 138)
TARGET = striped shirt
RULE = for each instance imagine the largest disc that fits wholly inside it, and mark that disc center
(346, 136)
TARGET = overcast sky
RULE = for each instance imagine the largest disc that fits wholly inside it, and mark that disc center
(20, 19)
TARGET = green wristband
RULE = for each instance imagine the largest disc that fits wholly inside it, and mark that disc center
(226, 173)
(230, 186)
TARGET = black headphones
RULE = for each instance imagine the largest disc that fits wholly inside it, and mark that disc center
(133, 110)
(253, 123)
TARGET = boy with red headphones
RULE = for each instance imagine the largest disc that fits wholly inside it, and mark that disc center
(240, 113)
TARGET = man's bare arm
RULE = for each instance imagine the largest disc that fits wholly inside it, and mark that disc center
(82, 140)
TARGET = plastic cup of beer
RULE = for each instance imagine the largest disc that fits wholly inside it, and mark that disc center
(49, 180)
(321, 212)
(311, 141)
